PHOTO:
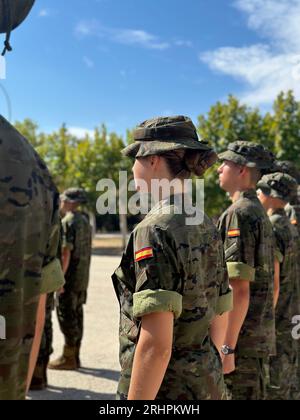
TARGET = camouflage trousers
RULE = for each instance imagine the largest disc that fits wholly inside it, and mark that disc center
(70, 316)
(250, 379)
(283, 371)
(46, 348)
(295, 392)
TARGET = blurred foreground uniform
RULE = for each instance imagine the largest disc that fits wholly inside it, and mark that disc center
(39, 379)
(29, 237)
(77, 239)
(283, 367)
(249, 252)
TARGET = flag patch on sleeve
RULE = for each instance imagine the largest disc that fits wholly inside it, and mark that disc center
(144, 254)
(234, 233)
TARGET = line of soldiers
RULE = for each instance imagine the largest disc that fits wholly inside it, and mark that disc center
(75, 256)
(168, 268)
(261, 242)
(260, 233)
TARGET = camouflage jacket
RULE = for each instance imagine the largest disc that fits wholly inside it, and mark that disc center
(293, 213)
(171, 267)
(77, 237)
(249, 252)
(29, 236)
(287, 243)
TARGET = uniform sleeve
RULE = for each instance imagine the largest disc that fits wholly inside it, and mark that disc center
(279, 245)
(225, 300)
(52, 274)
(238, 233)
(68, 240)
(158, 279)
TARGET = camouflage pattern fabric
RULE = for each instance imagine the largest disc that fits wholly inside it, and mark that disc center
(283, 368)
(77, 238)
(29, 236)
(279, 185)
(70, 316)
(293, 213)
(171, 267)
(249, 154)
(167, 134)
(249, 252)
(249, 381)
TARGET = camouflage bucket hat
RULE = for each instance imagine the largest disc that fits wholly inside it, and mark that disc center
(166, 134)
(249, 154)
(288, 168)
(12, 14)
(74, 195)
(279, 185)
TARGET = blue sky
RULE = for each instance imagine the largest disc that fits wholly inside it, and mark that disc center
(118, 62)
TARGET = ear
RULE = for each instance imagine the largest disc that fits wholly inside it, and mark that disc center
(244, 170)
(155, 161)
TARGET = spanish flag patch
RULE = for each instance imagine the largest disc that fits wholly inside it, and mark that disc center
(234, 233)
(144, 254)
(294, 222)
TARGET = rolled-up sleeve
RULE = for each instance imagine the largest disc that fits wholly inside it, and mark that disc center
(150, 301)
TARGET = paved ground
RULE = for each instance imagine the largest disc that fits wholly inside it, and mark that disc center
(97, 379)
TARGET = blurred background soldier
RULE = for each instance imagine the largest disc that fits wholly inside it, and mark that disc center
(76, 256)
(293, 207)
(29, 235)
(293, 212)
(275, 191)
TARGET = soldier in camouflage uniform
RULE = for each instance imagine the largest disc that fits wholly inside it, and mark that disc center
(29, 236)
(293, 212)
(275, 191)
(76, 255)
(172, 281)
(293, 207)
(249, 251)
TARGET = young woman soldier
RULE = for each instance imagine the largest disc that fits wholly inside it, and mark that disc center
(172, 283)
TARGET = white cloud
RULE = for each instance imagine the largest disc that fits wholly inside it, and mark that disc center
(88, 62)
(121, 36)
(183, 43)
(44, 13)
(81, 132)
(272, 66)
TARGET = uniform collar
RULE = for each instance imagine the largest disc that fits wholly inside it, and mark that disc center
(167, 202)
(250, 194)
(279, 212)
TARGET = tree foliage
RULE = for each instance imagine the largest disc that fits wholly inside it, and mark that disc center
(82, 162)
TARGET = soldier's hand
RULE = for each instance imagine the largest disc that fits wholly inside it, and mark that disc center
(229, 364)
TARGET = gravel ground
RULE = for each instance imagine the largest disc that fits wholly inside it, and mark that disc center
(98, 377)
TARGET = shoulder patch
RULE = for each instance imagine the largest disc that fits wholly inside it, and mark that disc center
(143, 254)
(234, 233)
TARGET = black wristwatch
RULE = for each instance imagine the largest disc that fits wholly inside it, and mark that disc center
(227, 351)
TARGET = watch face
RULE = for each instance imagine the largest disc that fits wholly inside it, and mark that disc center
(225, 350)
